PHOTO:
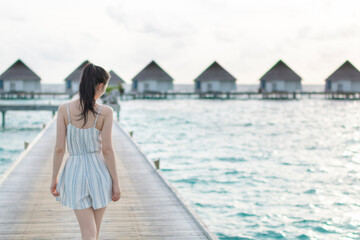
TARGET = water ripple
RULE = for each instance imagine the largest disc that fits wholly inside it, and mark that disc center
(258, 169)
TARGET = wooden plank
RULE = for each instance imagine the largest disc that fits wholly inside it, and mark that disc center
(149, 208)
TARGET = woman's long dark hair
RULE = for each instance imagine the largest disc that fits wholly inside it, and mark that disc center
(92, 75)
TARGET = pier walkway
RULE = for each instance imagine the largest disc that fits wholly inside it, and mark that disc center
(149, 207)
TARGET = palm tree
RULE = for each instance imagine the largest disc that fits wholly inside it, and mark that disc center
(121, 89)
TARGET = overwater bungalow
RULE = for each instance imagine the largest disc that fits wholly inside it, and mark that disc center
(19, 77)
(115, 79)
(73, 80)
(215, 79)
(152, 78)
(345, 79)
(280, 78)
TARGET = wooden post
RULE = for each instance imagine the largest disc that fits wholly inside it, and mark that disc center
(157, 163)
(3, 119)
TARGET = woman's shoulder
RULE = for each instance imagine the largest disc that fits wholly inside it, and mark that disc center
(62, 106)
(106, 109)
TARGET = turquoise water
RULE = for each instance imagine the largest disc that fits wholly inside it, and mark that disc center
(257, 169)
(20, 127)
(251, 169)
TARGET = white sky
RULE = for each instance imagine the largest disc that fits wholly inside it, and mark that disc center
(314, 37)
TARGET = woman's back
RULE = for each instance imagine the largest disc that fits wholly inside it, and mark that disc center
(75, 110)
(82, 140)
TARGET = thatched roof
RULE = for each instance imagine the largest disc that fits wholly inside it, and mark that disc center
(115, 78)
(153, 71)
(19, 71)
(215, 72)
(280, 71)
(347, 71)
(76, 74)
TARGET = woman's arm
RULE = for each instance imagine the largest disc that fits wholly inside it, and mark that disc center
(107, 148)
(60, 146)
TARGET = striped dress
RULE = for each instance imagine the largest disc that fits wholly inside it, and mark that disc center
(85, 180)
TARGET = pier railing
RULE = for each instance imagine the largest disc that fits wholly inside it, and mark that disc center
(240, 95)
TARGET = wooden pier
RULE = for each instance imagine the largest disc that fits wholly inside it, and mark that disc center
(26, 107)
(199, 95)
(241, 95)
(42, 107)
(30, 95)
(149, 207)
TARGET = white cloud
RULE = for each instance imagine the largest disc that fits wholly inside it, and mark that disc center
(184, 37)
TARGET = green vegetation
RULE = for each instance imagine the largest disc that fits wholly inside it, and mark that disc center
(109, 89)
(119, 87)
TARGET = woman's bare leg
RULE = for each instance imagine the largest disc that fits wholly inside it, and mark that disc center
(99, 214)
(87, 223)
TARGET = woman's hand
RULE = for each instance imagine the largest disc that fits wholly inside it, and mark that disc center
(116, 192)
(53, 188)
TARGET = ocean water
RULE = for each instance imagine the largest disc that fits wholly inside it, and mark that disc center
(258, 169)
(21, 126)
(251, 169)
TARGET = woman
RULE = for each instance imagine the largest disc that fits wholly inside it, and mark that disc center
(89, 179)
